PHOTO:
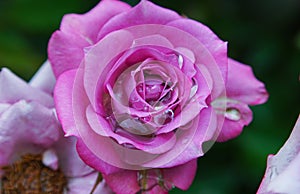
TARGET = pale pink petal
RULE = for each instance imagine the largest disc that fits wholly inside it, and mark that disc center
(103, 188)
(144, 13)
(282, 172)
(69, 161)
(243, 86)
(83, 184)
(44, 79)
(14, 89)
(63, 102)
(26, 127)
(79, 31)
(50, 159)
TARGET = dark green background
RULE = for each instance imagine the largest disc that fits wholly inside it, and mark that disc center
(262, 33)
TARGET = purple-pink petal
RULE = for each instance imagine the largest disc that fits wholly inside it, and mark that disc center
(144, 13)
(77, 32)
(243, 86)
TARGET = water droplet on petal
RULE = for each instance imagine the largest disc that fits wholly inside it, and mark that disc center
(180, 61)
(233, 114)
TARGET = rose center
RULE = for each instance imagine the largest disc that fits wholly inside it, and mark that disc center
(30, 175)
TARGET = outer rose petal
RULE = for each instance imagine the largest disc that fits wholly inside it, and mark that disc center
(26, 127)
(44, 79)
(90, 159)
(242, 89)
(180, 176)
(144, 13)
(14, 89)
(282, 173)
(79, 31)
(63, 102)
(243, 86)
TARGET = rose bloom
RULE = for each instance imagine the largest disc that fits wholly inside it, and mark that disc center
(34, 155)
(146, 92)
(282, 173)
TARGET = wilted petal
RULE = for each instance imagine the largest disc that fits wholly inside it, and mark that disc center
(282, 173)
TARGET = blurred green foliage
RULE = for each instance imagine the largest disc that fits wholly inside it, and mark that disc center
(264, 34)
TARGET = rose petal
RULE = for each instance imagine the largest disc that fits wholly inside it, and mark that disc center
(50, 159)
(144, 13)
(77, 32)
(282, 172)
(97, 59)
(237, 115)
(69, 161)
(44, 79)
(243, 86)
(216, 47)
(83, 184)
(127, 178)
(157, 145)
(63, 102)
(14, 89)
(26, 127)
(91, 159)
(103, 188)
(181, 176)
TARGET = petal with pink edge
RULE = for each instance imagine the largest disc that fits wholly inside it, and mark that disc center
(63, 102)
(144, 13)
(77, 32)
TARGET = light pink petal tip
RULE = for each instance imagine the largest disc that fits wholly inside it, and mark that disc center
(282, 172)
(44, 78)
(16, 89)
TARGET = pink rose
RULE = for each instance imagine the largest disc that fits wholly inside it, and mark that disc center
(282, 173)
(143, 88)
(30, 134)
